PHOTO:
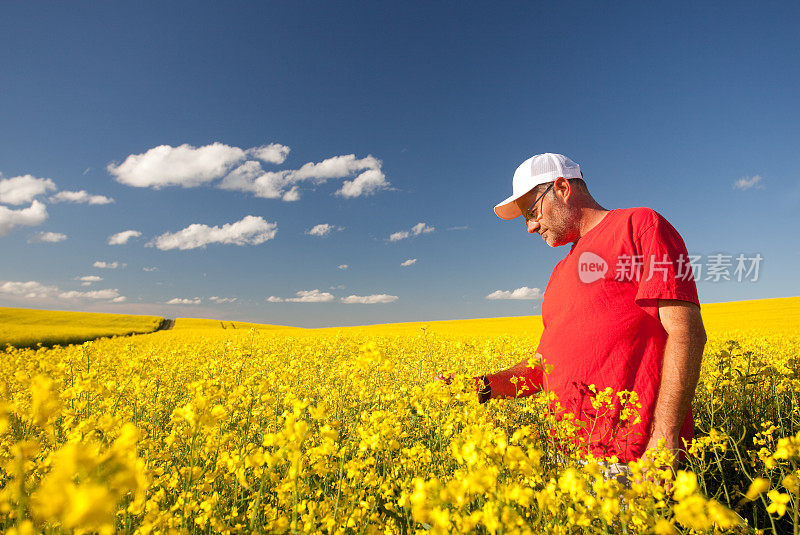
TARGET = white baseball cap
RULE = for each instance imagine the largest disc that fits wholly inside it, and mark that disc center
(539, 169)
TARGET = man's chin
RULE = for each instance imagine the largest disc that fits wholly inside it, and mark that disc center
(553, 242)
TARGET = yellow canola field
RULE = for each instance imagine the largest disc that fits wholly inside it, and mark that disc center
(343, 431)
(521, 325)
(24, 327)
(778, 315)
(197, 323)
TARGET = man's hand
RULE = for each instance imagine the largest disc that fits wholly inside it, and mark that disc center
(445, 378)
(482, 386)
(664, 461)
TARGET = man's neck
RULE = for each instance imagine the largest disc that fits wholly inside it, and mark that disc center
(590, 218)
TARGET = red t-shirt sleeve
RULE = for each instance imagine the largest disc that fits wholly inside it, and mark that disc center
(665, 267)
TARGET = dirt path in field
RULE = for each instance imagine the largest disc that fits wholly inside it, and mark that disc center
(166, 325)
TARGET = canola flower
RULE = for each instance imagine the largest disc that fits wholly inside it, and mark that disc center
(233, 431)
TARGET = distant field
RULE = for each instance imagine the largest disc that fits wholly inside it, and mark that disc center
(22, 327)
(780, 315)
(196, 323)
(25, 327)
(766, 315)
(515, 325)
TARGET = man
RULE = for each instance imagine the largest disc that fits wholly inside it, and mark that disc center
(620, 310)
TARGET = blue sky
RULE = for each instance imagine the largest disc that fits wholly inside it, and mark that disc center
(662, 106)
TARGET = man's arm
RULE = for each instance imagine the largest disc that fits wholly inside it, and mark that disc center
(680, 370)
(529, 380)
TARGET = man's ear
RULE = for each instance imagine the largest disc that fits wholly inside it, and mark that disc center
(563, 188)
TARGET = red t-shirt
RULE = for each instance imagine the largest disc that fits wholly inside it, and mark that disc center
(601, 324)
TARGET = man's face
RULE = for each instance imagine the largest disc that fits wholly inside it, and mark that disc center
(549, 216)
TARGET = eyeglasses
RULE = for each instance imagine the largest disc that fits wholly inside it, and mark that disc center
(528, 214)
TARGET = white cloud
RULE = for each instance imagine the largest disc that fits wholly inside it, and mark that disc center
(746, 183)
(29, 289)
(367, 183)
(421, 228)
(34, 289)
(92, 294)
(462, 227)
(292, 195)
(397, 236)
(184, 165)
(369, 299)
(90, 278)
(343, 266)
(304, 296)
(108, 265)
(311, 296)
(272, 153)
(250, 177)
(336, 167)
(323, 229)
(416, 230)
(184, 301)
(120, 299)
(122, 237)
(80, 197)
(519, 293)
(190, 166)
(409, 262)
(250, 230)
(217, 299)
(22, 189)
(149, 269)
(46, 237)
(320, 230)
(34, 215)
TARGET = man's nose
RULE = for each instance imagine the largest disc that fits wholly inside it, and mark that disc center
(533, 226)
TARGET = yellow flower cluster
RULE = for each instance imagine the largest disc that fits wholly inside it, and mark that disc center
(235, 431)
